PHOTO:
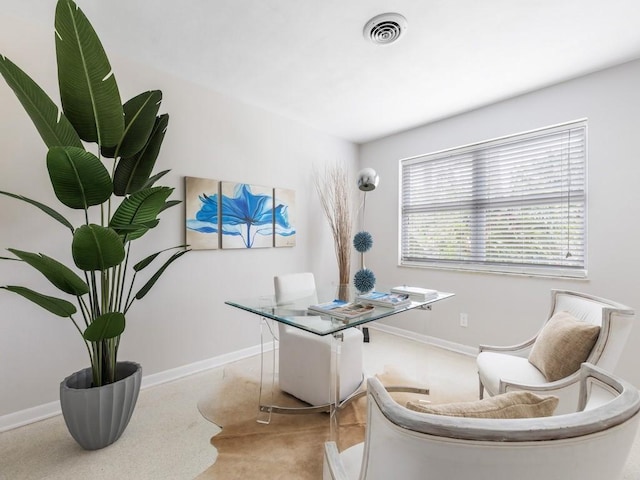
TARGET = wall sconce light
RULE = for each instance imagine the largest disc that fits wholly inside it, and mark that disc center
(368, 179)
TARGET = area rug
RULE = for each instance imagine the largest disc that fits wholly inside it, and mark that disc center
(291, 446)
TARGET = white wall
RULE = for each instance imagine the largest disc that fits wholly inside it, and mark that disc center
(505, 309)
(183, 320)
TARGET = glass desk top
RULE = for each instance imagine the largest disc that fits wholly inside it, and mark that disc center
(297, 314)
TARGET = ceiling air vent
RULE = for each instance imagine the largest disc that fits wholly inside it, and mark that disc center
(385, 28)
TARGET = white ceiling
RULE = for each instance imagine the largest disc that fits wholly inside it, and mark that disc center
(308, 60)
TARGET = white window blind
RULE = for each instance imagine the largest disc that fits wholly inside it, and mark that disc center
(515, 204)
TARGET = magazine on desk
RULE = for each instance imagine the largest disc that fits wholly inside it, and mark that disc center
(341, 309)
(385, 299)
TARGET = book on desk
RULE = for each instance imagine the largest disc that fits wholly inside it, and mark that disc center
(417, 294)
(341, 309)
(385, 299)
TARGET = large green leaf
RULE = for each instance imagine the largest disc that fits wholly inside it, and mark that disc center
(152, 281)
(141, 208)
(155, 178)
(57, 273)
(170, 203)
(105, 326)
(122, 229)
(139, 118)
(48, 210)
(132, 173)
(52, 125)
(88, 89)
(96, 248)
(79, 178)
(147, 260)
(57, 306)
(136, 230)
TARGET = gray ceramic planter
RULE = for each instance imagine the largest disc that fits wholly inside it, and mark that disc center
(96, 417)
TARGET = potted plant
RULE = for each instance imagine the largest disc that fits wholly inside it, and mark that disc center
(120, 204)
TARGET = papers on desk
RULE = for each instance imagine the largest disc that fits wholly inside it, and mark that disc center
(341, 309)
(417, 294)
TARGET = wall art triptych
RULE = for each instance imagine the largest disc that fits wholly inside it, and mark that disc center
(229, 215)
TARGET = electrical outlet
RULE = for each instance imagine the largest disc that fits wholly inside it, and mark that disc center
(464, 320)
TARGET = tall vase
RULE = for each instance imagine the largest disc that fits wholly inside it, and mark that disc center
(97, 416)
(343, 292)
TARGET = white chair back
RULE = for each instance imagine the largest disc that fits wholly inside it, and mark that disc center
(294, 287)
(591, 444)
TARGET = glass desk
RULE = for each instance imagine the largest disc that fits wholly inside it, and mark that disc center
(296, 314)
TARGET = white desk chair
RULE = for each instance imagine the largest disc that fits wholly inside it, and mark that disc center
(304, 358)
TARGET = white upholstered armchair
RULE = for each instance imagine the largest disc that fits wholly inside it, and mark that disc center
(304, 358)
(580, 328)
(592, 443)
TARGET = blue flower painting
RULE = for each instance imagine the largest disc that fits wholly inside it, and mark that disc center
(201, 198)
(284, 217)
(244, 215)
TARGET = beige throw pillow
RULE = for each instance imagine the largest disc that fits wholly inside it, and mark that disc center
(563, 344)
(518, 404)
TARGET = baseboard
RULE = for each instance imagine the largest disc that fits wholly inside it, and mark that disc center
(29, 415)
(48, 410)
(436, 342)
(197, 367)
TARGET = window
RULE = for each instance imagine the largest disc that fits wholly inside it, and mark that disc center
(515, 205)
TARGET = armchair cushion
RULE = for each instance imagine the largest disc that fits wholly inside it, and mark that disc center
(517, 404)
(562, 345)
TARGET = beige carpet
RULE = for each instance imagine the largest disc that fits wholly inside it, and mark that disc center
(169, 439)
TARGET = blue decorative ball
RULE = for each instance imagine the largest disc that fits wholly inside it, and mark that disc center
(364, 280)
(363, 241)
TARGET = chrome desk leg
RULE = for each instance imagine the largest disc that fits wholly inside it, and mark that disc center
(264, 411)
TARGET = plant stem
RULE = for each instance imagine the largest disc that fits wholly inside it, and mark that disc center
(123, 278)
(115, 273)
(95, 311)
(129, 303)
(86, 315)
(91, 304)
(85, 342)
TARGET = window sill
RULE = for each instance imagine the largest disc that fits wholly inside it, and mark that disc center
(525, 271)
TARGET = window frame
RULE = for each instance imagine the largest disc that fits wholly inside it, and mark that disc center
(578, 273)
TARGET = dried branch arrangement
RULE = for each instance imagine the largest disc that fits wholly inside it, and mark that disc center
(336, 196)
